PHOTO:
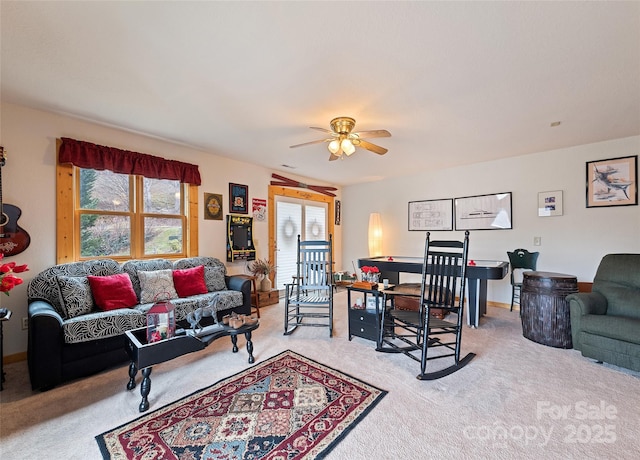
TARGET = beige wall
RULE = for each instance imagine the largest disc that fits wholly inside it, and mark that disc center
(572, 243)
(29, 137)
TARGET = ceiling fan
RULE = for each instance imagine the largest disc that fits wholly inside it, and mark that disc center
(343, 142)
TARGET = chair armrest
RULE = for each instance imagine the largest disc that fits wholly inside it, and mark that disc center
(44, 349)
(582, 304)
(588, 303)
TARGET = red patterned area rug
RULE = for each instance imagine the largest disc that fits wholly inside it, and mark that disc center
(287, 407)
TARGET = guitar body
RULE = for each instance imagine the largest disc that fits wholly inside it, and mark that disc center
(13, 239)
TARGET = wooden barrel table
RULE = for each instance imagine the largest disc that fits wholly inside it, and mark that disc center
(544, 310)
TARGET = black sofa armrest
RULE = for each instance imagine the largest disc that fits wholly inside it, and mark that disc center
(44, 348)
(242, 284)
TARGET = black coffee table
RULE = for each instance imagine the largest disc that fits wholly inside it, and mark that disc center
(145, 355)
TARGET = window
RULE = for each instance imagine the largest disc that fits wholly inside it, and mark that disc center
(129, 216)
(123, 205)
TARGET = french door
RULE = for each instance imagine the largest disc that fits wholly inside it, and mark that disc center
(294, 213)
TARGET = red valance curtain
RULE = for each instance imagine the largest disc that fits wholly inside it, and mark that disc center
(91, 156)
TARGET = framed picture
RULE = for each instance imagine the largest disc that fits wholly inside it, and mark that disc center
(431, 215)
(612, 182)
(238, 198)
(550, 204)
(338, 212)
(484, 212)
(259, 208)
(212, 206)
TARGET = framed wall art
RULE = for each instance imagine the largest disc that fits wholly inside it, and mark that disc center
(612, 182)
(431, 215)
(238, 198)
(212, 206)
(484, 212)
(550, 204)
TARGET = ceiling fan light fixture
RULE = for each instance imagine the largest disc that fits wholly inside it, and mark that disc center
(347, 146)
(334, 146)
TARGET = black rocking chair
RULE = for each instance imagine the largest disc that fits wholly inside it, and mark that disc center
(309, 299)
(418, 334)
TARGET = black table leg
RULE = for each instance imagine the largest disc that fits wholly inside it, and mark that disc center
(249, 346)
(133, 370)
(234, 341)
(145, 388)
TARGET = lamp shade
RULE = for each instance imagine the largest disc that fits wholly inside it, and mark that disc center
(347, 146)
(375, 235)
(334, 146)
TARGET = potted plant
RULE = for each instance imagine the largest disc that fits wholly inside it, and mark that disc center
(262, 268)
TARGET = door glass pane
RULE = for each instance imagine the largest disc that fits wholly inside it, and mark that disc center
(315, 223)
(289, 225)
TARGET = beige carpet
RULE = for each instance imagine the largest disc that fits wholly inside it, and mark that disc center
(516, 399)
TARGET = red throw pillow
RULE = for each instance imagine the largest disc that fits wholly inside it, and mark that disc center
(113, 291)
(190, 281)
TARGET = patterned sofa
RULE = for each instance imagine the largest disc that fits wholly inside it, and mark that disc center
(73, 333)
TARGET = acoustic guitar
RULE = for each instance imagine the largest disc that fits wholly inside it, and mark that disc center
(13, 238)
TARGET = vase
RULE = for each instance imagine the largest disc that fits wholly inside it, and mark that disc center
(372, 277)
(265, 284)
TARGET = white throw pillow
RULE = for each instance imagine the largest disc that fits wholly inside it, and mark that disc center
(156, 285)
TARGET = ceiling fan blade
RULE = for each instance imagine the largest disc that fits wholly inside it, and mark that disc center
(333, 157)
(319, 141)
(372, 147)
(324, 130)
(373, 133)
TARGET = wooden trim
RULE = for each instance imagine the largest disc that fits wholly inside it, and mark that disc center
(192, 215)
(8, 359)
(275, 190)
(491, 303)
(584, 286)
(65, 233)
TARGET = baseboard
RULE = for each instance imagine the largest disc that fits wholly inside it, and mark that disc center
(491, 303)
(22, 356)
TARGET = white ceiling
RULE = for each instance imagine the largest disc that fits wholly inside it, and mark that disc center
(454, 82)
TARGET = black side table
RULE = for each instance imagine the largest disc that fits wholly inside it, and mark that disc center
(4, 318)
(365, 322)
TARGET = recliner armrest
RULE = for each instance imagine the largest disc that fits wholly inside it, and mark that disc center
(582, 304)
(588, 303)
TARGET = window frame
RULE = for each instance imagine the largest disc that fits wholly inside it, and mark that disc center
(68, 221)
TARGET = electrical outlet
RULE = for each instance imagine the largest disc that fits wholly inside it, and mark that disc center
(537, 240)
(25, 323)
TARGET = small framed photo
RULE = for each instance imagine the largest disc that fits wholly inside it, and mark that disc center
(612, 182)
(431, 215)
(484, 212)
(550, 204)
(238, 198)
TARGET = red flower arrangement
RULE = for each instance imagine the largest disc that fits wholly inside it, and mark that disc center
(7, 278)
(368, 270)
